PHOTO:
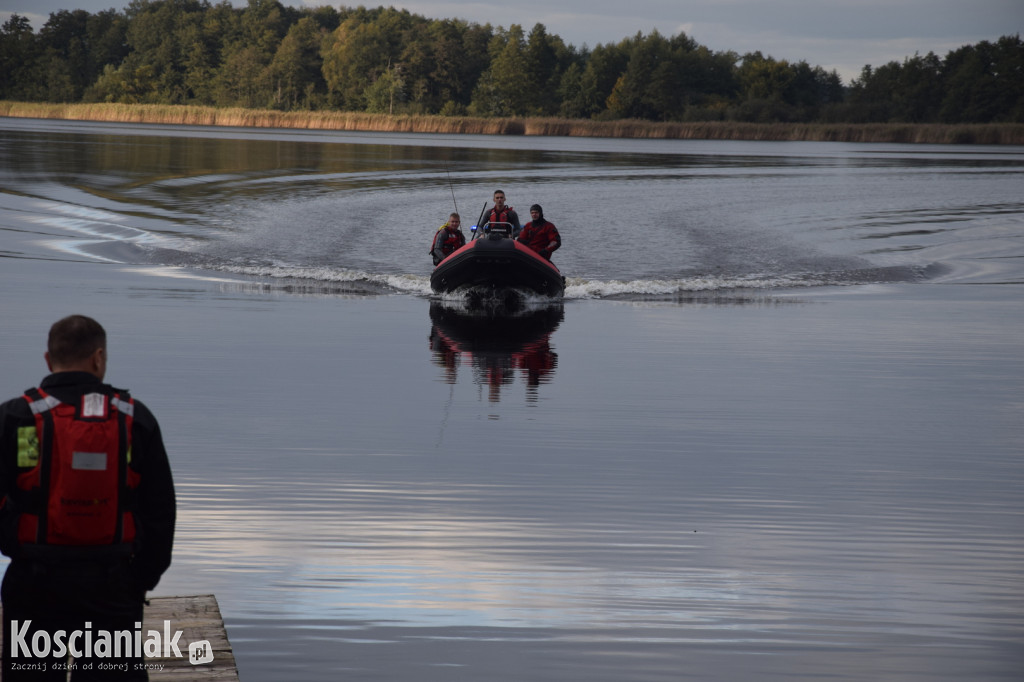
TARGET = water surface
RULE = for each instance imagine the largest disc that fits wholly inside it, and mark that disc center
(774, 430)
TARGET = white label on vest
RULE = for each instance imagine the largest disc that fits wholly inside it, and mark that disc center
(89, 461)
(94, 405)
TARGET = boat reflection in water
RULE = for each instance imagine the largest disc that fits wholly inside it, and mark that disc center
(498, 340)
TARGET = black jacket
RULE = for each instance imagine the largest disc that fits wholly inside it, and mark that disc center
(155, 499)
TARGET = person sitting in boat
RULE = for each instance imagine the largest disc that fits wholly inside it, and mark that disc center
(449, 238)
(501, 213)
(539, 234)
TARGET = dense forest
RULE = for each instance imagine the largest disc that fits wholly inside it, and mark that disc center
(383, 60)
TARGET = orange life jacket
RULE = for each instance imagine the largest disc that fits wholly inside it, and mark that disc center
(80, 492)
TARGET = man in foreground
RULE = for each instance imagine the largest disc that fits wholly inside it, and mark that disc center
(87, 516)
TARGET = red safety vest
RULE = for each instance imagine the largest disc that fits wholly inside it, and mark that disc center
(80, 490)
(501, 216)
(452, 241)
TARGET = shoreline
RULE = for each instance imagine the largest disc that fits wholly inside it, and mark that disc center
(168, 114)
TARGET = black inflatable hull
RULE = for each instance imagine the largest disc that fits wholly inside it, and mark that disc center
(499, 263)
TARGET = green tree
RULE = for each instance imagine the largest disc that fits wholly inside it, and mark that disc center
(107, 39)
(644, 88)
(764, 78)
(985, 82)
(19, 54)
(240, 80)
(775, 90)
(441, 61)
(870, 95)
(1008, 71)
(384, 59)
(918, 94)
(124, 84)
(706, 82)
(387, 91)
(504, 89)
(204, 39)
(160, 35)
(360, 50)
(325, 16)
(264, 25)
(352, 60)
(547, 58)
(570, 93)
(67, 59)
(296, 70)
(604, 66)
(471, 61)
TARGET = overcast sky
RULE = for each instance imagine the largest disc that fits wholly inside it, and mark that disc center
(836, 34)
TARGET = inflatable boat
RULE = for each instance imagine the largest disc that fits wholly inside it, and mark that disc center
(494, 260)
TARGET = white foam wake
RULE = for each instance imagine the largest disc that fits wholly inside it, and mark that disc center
(576, 288)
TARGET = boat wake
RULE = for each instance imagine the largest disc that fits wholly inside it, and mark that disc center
(576, 287)
(183, 245)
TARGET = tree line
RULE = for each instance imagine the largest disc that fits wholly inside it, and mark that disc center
(383, 60)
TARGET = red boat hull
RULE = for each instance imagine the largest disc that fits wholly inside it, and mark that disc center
(497, 262)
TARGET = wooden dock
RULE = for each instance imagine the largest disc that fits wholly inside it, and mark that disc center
(198, 618)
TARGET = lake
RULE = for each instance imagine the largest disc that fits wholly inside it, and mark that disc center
(774, 430)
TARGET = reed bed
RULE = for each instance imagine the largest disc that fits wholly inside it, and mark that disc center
(997, 133)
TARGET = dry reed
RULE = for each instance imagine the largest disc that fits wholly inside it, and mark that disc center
(1005, 133)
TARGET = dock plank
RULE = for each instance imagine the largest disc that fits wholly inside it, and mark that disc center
(199, 618)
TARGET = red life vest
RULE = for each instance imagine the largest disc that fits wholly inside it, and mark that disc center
(502, 216)
(80, 490)
(452, 241)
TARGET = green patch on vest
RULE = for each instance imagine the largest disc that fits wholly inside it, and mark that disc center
(28, 447)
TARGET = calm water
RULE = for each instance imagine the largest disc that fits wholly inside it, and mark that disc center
(775, 430)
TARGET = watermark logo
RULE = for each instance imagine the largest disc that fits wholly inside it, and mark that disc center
(200, 652)
(88, 643)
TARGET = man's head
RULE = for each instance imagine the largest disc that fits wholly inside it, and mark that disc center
(77, 343)
(499, 198)
(536, 212)
(454, 221)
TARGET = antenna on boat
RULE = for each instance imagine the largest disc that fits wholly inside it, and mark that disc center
(477, 227)
(452, 188)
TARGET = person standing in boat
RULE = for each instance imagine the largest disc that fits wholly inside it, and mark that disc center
(448, 239)
(539, 234)
(502, 213)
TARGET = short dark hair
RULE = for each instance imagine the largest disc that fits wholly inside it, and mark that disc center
(498, 191)
(74, 339)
